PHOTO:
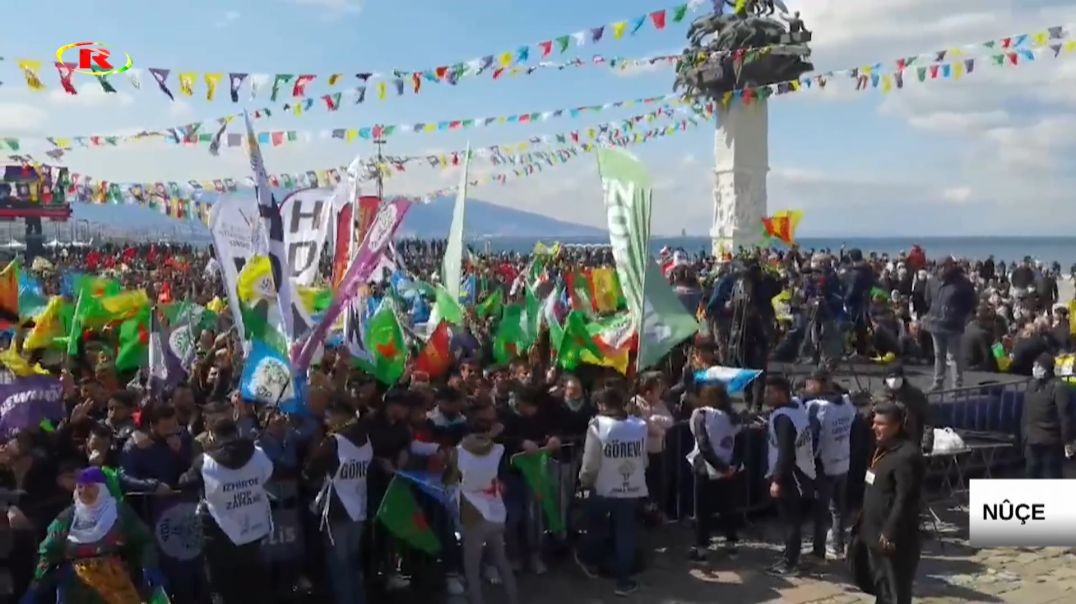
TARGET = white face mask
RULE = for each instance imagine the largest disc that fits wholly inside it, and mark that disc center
(894, 383)
(1038, 372)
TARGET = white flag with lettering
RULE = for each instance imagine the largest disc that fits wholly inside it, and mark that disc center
(306, 216)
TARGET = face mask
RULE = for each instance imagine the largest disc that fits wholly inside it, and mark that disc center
(1038, 372)
(894, 383)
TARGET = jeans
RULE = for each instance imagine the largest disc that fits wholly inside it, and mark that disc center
(830, 510)
(1045, 461)
(523, 525)
(947, 351)
(343, 557)
(790, 516)
(236, 572)
(489, 536)
(603, 514)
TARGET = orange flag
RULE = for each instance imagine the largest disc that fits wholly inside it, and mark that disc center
(9, 294)
(782, 225)
(436, 357)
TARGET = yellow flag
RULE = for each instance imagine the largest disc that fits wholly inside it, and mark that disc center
(30, 69)
(255, 281)
(618, 29)
(186, 83)
(617, 360)
(47, 325)
(211, 81)
(382, 90)
(506, 59)
(16, 364)
(605, 288)
(217, 305)
(125, 305)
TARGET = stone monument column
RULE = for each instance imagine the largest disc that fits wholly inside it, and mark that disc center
(723, 56)
(741, 164)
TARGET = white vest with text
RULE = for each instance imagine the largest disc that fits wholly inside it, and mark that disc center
(835, 429)
(622, 474)
(349, 482)
(721, 433)
(804, 447)
(236, 498)
(479, 484)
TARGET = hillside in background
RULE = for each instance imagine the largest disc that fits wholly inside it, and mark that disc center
(482, 219)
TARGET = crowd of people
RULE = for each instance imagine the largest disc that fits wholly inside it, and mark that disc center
(86, 497)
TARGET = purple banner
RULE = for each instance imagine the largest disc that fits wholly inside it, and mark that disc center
(25, 402)
(366, 259)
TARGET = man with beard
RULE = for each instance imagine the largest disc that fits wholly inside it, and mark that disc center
(952, 300)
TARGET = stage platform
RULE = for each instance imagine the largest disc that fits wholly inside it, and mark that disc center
(866, 376)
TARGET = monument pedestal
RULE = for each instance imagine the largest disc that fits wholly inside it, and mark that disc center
(741, 163)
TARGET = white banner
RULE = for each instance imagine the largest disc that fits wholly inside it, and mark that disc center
(236, 229)
(305, 216)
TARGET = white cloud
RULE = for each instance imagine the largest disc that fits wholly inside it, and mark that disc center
(180, 110)
(958, 194)
(333, 6)
(90, 94)
(21, 117)
(227, 19)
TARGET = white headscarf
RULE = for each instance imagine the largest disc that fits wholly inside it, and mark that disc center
(92, 522)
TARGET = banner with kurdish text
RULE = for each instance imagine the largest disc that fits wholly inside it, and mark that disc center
(628, 195)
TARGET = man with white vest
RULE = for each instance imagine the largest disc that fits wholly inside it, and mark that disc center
(716, 462)
(614, 470)
(830, 416)
(790, 468)
(477, 464)
(341, 461)
(235, 513)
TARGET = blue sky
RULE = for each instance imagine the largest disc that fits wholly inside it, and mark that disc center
(982, 156)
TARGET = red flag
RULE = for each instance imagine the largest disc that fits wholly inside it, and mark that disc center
(66, 71)
(300, 84)
(344, 231)
(436, 358)
(658, 18)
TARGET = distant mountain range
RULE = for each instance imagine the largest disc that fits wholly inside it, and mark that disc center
(481, 220)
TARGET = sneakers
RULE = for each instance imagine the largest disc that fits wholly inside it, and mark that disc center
(783, 569)
(454, 585)
(536, 565)
(834, 553)
(589, 570)
(396, 582)
(731, 549)
(696, 555)
(493, 577)
(626, 588)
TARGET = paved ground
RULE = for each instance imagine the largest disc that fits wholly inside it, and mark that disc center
(956, 573)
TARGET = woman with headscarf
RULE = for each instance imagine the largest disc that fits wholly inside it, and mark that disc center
(90, 548)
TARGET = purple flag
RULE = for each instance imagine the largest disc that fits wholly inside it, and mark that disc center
(25, 402)
(366, 259)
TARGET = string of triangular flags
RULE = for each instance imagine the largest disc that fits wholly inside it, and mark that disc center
(181, 201)
(185, 81)
(1006, 50)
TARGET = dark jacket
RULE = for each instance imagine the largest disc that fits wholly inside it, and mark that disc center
(891, 498)
(859, 282)
(233, 455)
(324, 461)
(1046, 413)
(952, 300)
(157, 462)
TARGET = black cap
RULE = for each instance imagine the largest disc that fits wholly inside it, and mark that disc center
(895, 370)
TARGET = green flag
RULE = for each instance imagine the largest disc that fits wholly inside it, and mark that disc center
(628, 197)
(385, 341)
(96, 287)
(536, 471)
(573, 340)
(490, 306)
(447, 307)
(75, 331)
(400, 513)
(665, 321)
(134, 342)
(511, 339)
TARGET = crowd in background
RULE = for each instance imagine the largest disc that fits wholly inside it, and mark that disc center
(78, 494)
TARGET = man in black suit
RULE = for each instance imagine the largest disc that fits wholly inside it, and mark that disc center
(890, 517)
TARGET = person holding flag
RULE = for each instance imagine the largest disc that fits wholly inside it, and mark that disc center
(477, 464)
